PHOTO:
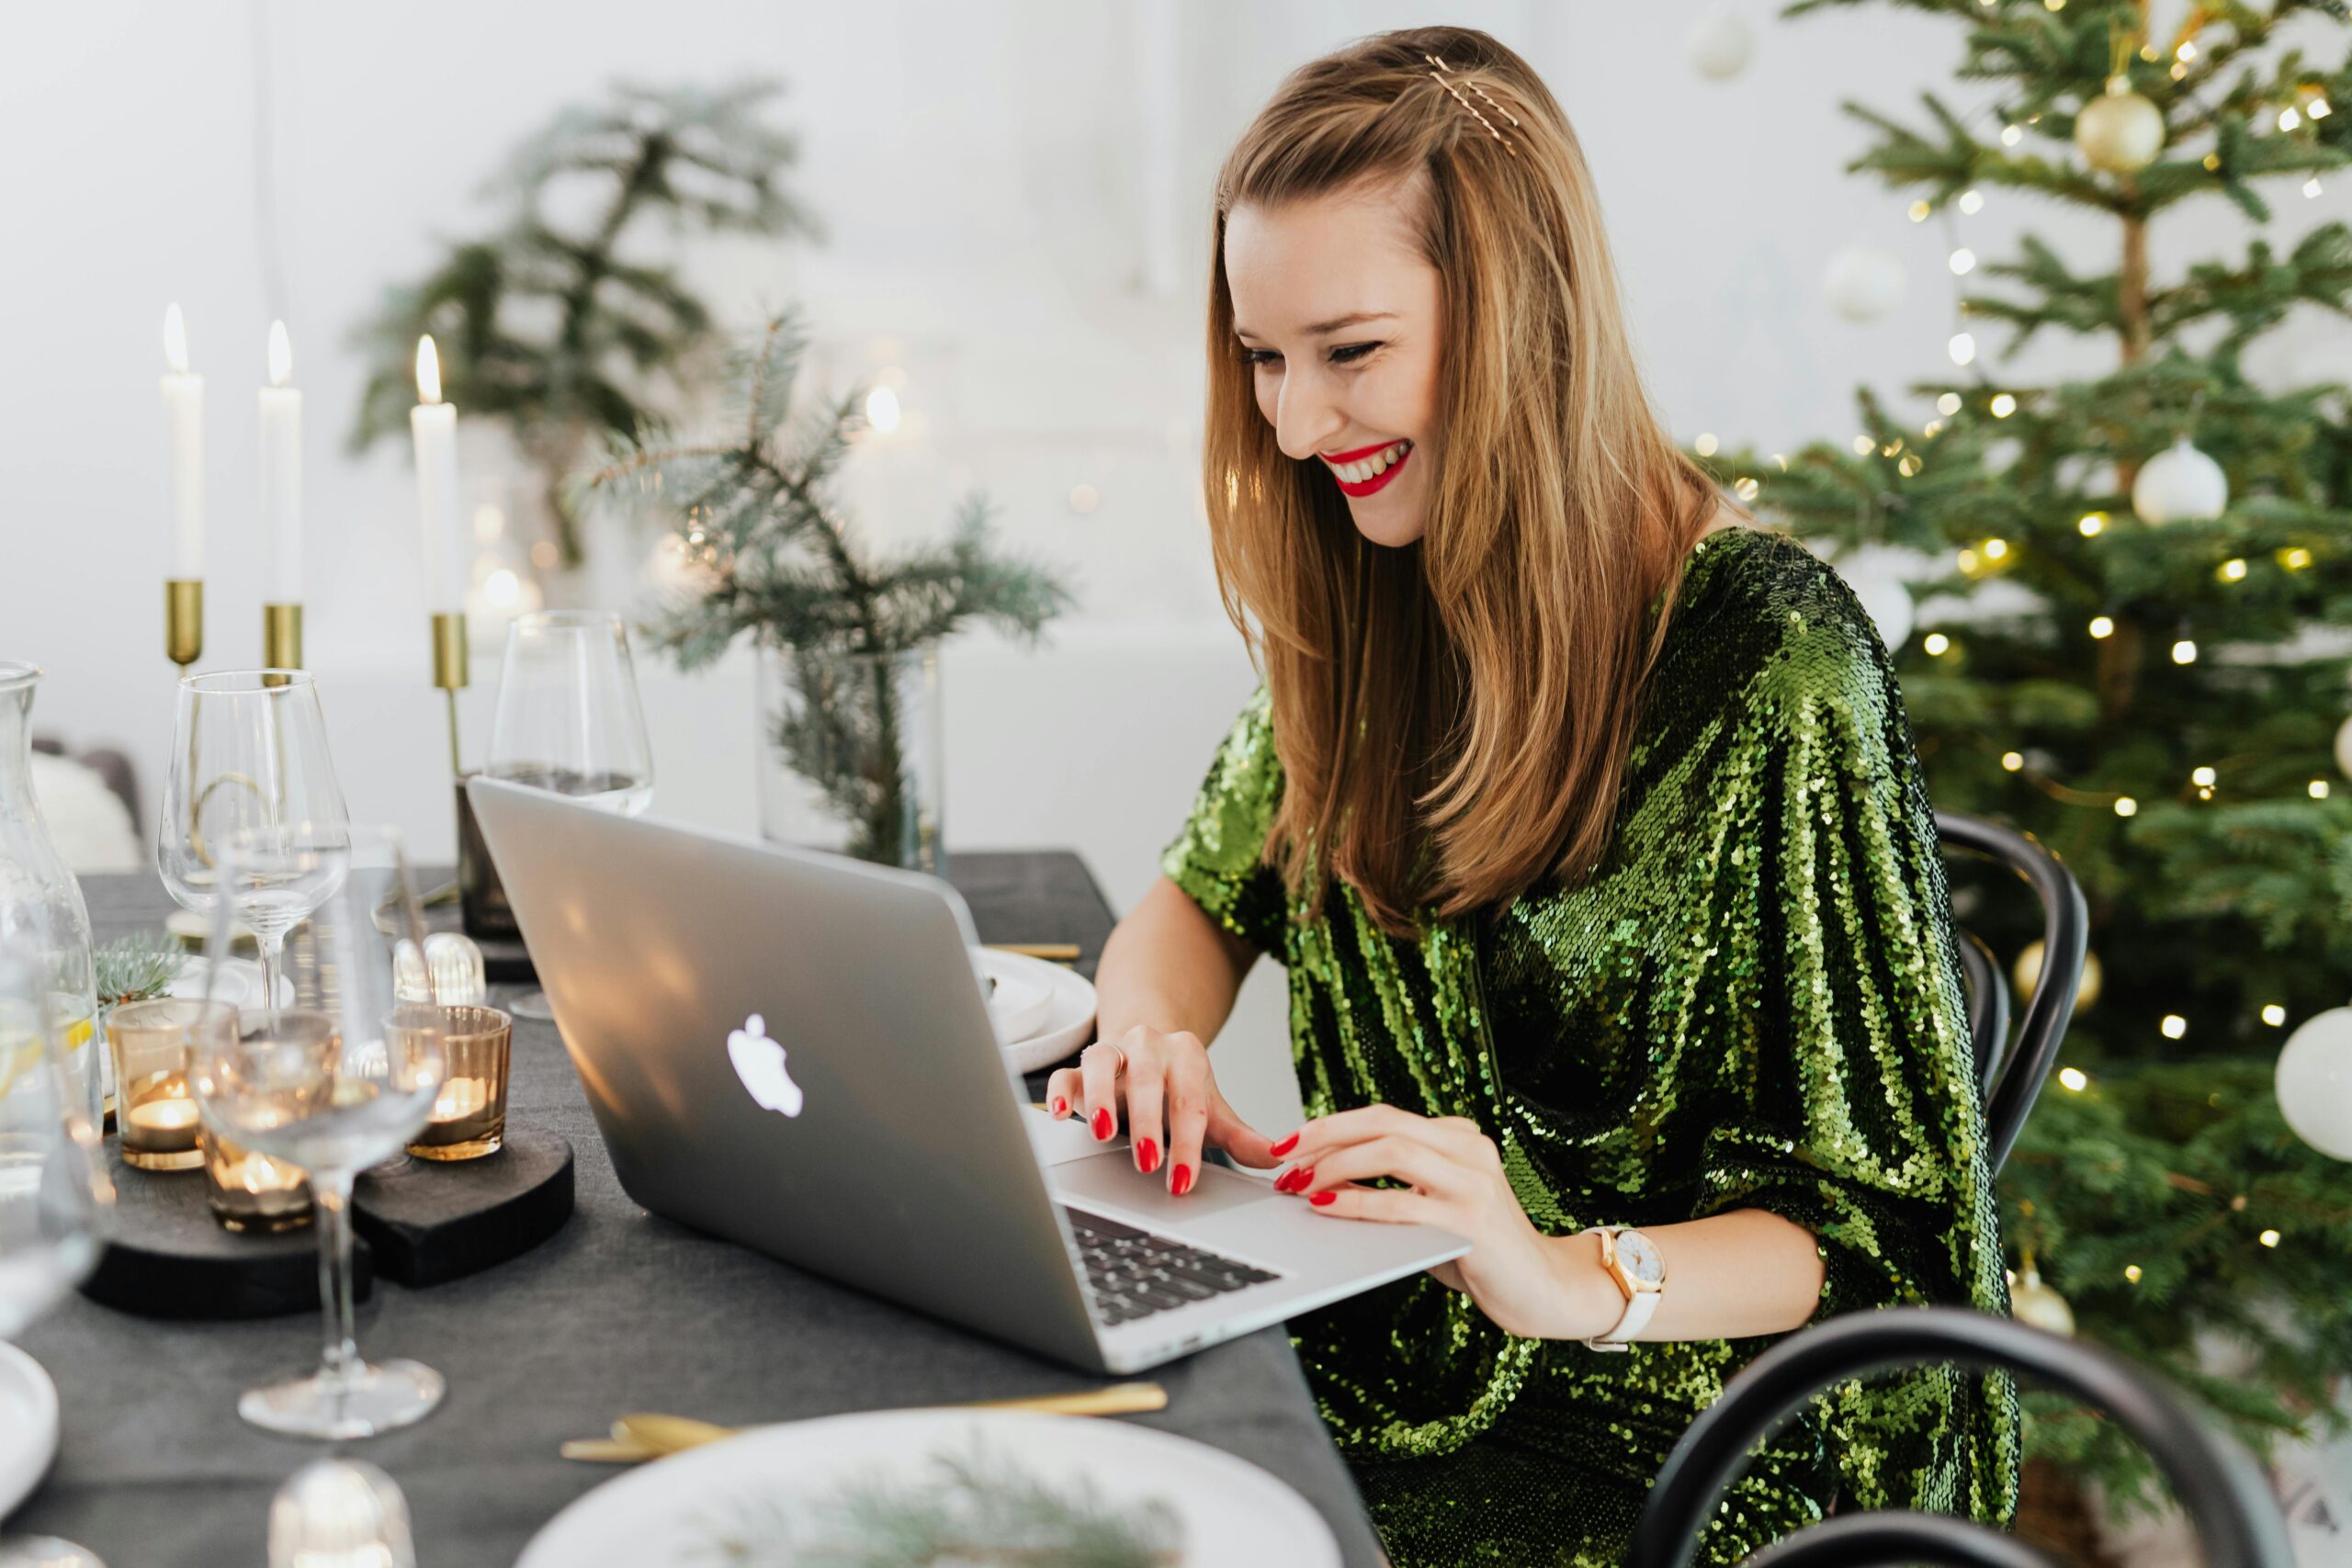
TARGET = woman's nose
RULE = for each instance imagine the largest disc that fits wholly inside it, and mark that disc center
(1306, 420)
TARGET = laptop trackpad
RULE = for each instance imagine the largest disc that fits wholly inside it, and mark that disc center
(1112, 1183)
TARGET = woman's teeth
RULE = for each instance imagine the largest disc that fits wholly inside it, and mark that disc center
(1357, 472)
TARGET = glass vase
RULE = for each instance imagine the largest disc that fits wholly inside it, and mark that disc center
(851, 752)
(40, 904)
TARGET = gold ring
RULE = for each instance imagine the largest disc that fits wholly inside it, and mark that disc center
(1106, 1045)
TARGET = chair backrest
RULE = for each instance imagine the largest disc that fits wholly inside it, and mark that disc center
(1900, 1541)
(1988, 1008)
(2215, 1479)
(2065, 940)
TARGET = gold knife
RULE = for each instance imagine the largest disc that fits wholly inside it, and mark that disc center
(646, 1435)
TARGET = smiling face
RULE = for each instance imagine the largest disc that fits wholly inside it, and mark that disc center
(1338, 313)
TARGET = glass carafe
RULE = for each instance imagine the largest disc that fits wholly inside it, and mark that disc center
(40, 904)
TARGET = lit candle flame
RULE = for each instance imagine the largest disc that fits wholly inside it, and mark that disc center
(428, 371)
(175, 340)
(281, 355)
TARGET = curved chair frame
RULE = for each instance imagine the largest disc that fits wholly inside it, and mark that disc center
(1900, 1541)
(1988, 1008)
(2065, 939)
(2215, 1479)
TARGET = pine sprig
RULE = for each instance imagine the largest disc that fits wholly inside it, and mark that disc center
(973, 1509)
(774, 558)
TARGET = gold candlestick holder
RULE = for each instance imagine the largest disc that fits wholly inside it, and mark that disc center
(450, 672)
(183, 620)
(281, 637)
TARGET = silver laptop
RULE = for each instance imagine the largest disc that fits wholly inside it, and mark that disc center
(792, 1050)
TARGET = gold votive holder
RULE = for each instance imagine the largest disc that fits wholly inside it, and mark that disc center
(469, 1117)
(252, 1194)
(156, 1114)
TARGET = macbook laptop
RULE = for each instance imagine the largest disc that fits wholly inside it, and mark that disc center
(792, 1050)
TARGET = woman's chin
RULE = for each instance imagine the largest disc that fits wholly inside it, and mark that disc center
(1394, 523)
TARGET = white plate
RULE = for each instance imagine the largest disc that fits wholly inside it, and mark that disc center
(1070, 1021)
(28, 1425)
(665, 1513)
(1023, 1000)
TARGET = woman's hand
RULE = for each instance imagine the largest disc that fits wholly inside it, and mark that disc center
(1527, 1282)
(1170, 1103)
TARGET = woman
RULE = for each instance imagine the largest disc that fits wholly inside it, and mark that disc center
(1587, 819)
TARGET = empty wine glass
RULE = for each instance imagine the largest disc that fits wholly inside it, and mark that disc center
(54, 1191)
(334, 1076)
(569, 721)
(249, 756)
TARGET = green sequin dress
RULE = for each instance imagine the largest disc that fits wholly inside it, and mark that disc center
(1756, 1002)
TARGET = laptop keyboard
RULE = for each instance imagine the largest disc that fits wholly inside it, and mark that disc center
(1134, 1273)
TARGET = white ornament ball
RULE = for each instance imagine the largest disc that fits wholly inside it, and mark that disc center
(1873, 577)
(2119, 130)
(1720, 45)
(2343, 748)
(1861, 283)
(2315, 1082)
(2036, 1306)
(2179, 484)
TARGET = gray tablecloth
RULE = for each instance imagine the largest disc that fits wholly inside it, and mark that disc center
(620, 1311)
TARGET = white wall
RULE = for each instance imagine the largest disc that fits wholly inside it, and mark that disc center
(1015, 194)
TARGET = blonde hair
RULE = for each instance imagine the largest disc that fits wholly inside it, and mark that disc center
(1489, 675)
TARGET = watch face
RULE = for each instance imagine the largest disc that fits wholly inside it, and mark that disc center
(1639, 1256)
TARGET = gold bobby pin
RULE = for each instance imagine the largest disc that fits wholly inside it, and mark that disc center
(1439, 75)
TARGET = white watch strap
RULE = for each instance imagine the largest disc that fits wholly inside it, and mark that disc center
(1636, 1315)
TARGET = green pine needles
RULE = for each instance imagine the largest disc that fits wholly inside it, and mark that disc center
(561, 329)
(2156, 702)
(772, 556)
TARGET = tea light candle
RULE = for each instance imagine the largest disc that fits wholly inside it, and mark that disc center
(155, 1118)
(469, 1117)
(461, 1098)
(170, 1122)
(248, 1191)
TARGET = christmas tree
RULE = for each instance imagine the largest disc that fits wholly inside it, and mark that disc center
(2140, 580)
(561, 329)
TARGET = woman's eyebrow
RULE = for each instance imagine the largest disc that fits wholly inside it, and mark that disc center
(1336, 323)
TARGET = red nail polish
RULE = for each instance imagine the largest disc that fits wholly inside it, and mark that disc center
(1061, 1105)
(1148, 1156)
(1323, 1199)
(1278, 1150)
(1296, 1180)
(1182, 1182)
(1102, 1125)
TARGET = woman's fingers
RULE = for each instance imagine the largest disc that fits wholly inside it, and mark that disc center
(1392, 1206)
(1190, 1094)
(1064, 1098)
(1145, 1077)
(1098, 1068)
(1228, 1132)
(1407, 1159)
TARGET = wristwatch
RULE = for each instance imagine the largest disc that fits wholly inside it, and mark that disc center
(1633, 1261)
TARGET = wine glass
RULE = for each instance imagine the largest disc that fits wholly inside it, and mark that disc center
(568, 720)
(249, 756)
(334, 1074)
(54, 1191)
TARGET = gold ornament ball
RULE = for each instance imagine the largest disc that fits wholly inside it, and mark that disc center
(2028, 970)
(2119, 130)
(2036, 1306)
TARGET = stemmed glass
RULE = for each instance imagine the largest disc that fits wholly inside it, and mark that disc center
(568, 720)
(54, 1191)
(249, 756)
(334, 1077)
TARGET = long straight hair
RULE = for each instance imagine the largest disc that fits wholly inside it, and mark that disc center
(1453, 716)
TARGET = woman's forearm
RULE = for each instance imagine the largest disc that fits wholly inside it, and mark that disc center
(1728, 1276)
(1168, 967)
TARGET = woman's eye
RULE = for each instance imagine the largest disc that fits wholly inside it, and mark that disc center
(1257, 356)
(1348, 353)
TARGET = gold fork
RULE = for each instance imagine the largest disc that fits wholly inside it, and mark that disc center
(646, 1435)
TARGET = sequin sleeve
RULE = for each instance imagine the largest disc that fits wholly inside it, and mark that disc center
(1849, 1105)
(1217, 857)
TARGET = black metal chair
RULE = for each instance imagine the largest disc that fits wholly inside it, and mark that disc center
(2215, 1479)
(2011, 1079)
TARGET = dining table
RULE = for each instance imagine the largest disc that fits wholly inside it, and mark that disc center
(620, 1311)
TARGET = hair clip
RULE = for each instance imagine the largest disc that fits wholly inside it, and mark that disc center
(1440, 76)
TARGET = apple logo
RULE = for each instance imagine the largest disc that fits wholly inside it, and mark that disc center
(759, 1062)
